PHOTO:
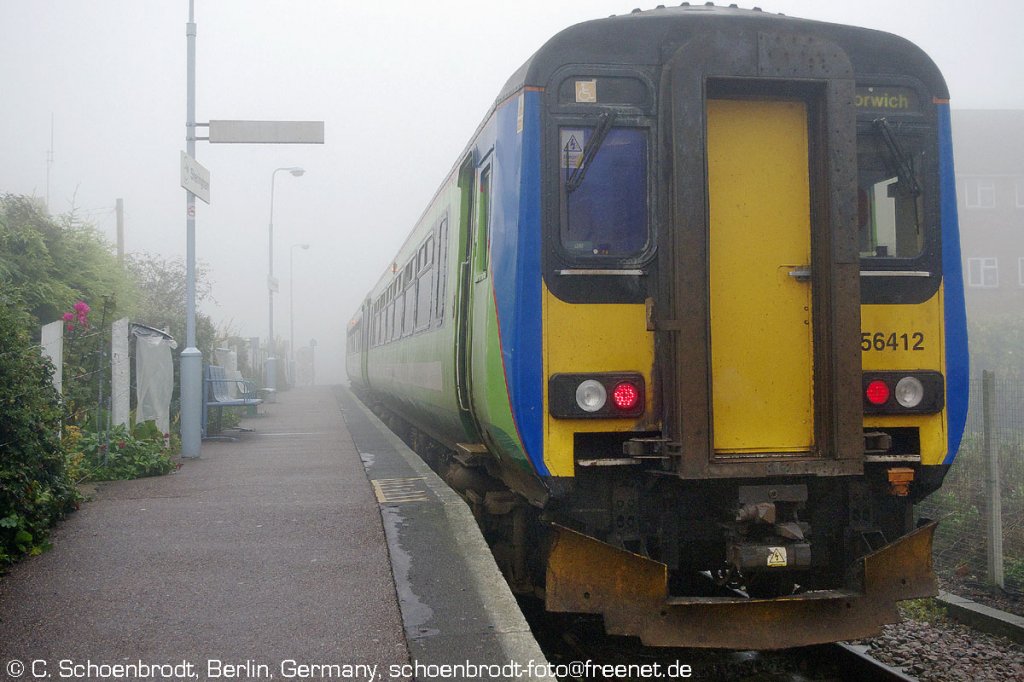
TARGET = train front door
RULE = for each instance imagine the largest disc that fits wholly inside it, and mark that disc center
(757, 309)
(759, 248)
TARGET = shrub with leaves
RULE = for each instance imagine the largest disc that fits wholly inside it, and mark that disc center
(35, 487)
(120, 455)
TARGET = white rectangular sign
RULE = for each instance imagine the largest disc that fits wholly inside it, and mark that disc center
(195, 178)
(267, 132)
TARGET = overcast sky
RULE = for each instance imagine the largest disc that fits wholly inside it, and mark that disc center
(400, 86)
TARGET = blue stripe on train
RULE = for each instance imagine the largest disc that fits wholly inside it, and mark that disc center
(957, 358)
(515, 267)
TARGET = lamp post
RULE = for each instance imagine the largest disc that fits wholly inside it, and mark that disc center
(291, 306)
(191, 362)
(272, 284)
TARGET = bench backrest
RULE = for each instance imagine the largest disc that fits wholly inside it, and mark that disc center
(218, 384)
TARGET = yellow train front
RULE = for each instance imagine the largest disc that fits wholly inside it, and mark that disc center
(704, 325)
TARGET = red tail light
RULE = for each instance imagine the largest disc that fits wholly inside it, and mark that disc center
(877, 392)
(626, 396)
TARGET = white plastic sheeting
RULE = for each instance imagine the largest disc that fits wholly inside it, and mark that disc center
(154, 377)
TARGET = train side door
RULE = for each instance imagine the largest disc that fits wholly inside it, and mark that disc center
(464, 242)
(481, 301)
(474, 298)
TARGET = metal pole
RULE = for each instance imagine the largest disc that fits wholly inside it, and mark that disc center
(271, 360)
(119, 210)
(291, 307)
(291, 312)
(191, 359)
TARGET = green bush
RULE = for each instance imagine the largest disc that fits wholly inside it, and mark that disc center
(36, 489)
(120, 455)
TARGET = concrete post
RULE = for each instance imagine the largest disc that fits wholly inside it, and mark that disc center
(994, 506)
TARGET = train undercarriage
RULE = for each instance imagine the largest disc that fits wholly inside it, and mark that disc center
(724, 563)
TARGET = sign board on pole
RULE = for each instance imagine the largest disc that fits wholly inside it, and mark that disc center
(195, 178)
(267, 132)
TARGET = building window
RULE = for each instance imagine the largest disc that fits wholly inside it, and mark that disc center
(980, 193)
(983, 273)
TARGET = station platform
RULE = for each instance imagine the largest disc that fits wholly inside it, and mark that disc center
(316, 546)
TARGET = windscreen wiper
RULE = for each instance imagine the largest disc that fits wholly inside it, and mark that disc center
(604, 124)
(903, 162)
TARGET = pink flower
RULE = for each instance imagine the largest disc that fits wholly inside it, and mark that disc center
(69, 317)
(82, 309)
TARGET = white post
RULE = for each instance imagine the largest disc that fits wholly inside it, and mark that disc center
(120, 374)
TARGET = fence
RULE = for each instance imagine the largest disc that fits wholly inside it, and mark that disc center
(981, 504)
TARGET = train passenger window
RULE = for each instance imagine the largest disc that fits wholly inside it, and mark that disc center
(399, 307)
(423, 303)
(410, 308)
(604, 190)
(442, 269)
(890, 196)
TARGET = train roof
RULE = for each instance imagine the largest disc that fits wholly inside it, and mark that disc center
(648, 37)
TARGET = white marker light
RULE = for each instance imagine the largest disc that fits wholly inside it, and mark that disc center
(909, 392)
(591, 396)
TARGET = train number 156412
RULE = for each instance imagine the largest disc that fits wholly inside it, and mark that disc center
(882, 341)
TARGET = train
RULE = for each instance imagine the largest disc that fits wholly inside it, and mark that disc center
(684, 324)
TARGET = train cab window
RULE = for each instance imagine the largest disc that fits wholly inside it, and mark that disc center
(890, 193)
(604, 189)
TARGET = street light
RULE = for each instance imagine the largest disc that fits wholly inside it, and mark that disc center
(291, 305)
(272, 284)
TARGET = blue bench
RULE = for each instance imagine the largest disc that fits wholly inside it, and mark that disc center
(217, 395)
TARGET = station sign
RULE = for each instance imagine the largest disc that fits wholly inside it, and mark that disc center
(267, 132)
(195, 178)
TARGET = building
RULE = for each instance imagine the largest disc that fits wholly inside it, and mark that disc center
(988, 148)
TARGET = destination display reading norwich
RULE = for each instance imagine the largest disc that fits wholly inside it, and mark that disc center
(887, 100)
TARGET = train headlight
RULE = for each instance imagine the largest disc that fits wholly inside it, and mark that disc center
(909, 392)
(591, 396)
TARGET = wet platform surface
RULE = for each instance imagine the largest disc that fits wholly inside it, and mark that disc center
(270, 553)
